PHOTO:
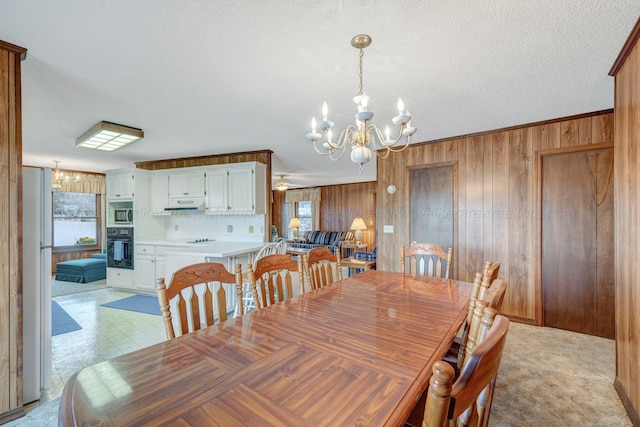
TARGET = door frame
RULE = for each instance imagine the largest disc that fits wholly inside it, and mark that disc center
(537, 223)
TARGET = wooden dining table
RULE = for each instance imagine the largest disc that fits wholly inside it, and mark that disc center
(358, 352)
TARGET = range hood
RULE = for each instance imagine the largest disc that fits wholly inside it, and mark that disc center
(186, 205)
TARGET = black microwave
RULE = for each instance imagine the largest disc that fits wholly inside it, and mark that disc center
(123, 216)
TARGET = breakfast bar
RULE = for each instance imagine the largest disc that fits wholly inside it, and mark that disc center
(357, 352)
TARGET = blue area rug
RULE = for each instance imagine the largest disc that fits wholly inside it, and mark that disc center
(139, 303)
(61, 322)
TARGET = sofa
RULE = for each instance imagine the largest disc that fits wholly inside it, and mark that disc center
(323, 239)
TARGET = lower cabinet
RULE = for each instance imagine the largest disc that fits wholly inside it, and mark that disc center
(145, 268)
(146, 272)
(120, 277)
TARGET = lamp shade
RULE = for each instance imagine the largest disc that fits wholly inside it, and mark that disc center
(294, 223)
(358, 224)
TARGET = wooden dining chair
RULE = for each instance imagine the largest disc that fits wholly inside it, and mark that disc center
(498, 290)
(271, 279)
(467, 399)
(322, 267)
(489, 275)
(492, 271)
(426, 258)
(191, 292)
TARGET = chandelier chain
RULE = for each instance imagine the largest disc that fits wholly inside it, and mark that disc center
(360, 67)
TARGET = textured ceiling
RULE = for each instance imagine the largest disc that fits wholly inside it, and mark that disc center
(209, 77)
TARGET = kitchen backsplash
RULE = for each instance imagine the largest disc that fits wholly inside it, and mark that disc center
(249, 228)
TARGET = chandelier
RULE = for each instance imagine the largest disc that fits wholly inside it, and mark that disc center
(282, 185)
(58, 178)
(364, 135)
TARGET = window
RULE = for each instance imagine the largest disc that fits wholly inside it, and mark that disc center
(303, 209)
(75, 220)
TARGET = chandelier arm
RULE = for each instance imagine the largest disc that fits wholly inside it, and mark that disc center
(324, 153)
(380, 138)
(397, 149)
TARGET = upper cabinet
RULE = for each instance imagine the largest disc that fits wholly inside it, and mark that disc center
(237, 188)
(120, 185)
(187, 184)
(229, 189)
(217, 191)
(159, 193)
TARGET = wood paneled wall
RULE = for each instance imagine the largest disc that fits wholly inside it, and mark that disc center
(497, 199)
(10, 232)
(627, 222)
(340, 204)
(277, 208)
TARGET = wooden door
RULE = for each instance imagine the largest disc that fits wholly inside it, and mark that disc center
(432, 206)
(577, 242)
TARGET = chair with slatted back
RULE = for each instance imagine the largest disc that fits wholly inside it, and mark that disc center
(191, 294)
(281, 247)
(426, 258)
(468, 399)
(322, 267)
(497, 290)
(492, 271)
(489, 275)
(271, 280)
(247, 298)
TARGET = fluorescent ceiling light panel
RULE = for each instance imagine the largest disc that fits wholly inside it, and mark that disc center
(107, 136)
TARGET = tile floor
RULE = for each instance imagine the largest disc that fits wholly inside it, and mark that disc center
(106, 333)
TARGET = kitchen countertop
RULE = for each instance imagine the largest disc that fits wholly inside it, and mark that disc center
(216, 248)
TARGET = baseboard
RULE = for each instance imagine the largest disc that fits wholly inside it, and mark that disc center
(521, 320)
(12, 415)
(633, 415)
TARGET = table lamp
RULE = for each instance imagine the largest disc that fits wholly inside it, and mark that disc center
(358, 225)
(294, 224)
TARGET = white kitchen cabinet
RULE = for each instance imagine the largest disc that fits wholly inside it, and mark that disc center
(145, 268)
(161, 267)
(159, 193)
(217, 191)
(187, 184)
(120, 185)
(242, 191)
(238, 188)
(120, 277)
(146, 273)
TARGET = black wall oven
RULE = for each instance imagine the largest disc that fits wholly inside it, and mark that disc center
(120, 247)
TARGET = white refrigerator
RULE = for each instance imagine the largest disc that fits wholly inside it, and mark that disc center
(36, 280)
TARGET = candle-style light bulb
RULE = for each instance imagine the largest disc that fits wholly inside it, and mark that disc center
(387, 132)
(400, 106)
(313, 124)
(329, 135)
(325, 111)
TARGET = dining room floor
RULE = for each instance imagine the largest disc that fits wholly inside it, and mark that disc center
(547, 376)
